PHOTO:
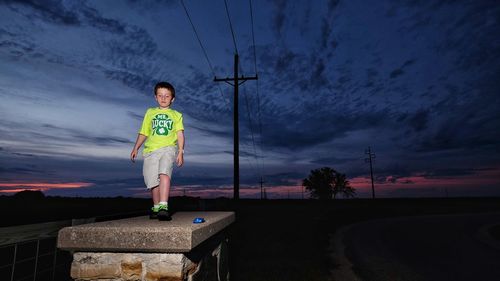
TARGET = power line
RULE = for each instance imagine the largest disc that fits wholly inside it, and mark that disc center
(251, 128)
(258, 168)
(231, 27)
(259, 116)
(253, 37)
(204, 51)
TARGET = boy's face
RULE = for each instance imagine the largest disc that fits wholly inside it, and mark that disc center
(164, 97)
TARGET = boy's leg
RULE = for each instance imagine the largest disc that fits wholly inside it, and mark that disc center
(155, 195)
(165, 170)
(164, 188)
(163, 213)
(150, 172)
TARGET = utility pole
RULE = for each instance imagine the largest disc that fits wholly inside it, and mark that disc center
(369, 159)
(261, 189)
(236, 82)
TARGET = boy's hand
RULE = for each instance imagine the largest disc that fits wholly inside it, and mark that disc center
(180, 159)
(140, 140)
(133, 155)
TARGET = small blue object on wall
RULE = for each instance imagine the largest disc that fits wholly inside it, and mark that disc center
(198, 220)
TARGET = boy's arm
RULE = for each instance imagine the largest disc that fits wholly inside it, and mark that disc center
(180, 144)
(140, 140)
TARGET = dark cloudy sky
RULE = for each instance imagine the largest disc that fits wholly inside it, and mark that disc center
(417, 81)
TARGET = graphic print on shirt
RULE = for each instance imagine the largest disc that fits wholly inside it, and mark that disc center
(162, 124)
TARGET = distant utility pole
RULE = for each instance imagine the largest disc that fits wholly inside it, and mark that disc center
(369, 159)
(261, 189)
(236, 82)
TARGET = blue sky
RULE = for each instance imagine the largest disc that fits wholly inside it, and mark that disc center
(417, 81)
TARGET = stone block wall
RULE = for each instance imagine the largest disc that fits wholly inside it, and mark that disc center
(141, 249)
(150, 266)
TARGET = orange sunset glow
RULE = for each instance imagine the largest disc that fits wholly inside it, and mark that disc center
(20, 186)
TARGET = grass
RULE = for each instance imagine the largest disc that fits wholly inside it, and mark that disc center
(278, 242)
(289, 239)
(495, 232)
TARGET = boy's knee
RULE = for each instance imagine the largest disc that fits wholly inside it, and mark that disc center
(164, 176)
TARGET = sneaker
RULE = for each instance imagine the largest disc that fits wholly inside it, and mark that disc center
(153, 213)
(163, 213)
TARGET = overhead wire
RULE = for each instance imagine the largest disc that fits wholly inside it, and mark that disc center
(220, 90)
(251, 130)
(204, 51)
(259, 116)
(256, 169)
(231, 27)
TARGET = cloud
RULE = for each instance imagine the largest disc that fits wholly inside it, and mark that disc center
(75, 135)
(419, 120)
(318, 79)
(53, 11)
(135, 115)
(94, 18)
(403, 76)
(453, 172)
(285, 178)
(317, 128)
(333, 160)
(18, 171)
(147, 4)
(279, 16)
(69, 14)
(141, 82)
(400, 71)
(325, 33)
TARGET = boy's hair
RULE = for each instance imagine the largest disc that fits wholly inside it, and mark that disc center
(165, 85)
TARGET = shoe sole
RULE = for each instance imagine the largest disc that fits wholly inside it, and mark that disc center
(164, 216)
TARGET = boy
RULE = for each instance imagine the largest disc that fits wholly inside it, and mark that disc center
(162, 131)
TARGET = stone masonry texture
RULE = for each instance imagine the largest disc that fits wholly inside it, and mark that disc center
(129, 266)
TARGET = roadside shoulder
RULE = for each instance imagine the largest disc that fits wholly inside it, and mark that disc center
(341, 266)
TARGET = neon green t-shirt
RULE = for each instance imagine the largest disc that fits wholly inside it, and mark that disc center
(161, 127)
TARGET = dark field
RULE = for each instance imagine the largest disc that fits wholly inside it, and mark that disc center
(271, 239)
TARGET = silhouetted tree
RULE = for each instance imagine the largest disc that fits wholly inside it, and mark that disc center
(342, 186)
(320, 183)
(29, 195)
(326, 183)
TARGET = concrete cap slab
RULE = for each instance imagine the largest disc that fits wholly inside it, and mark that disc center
(141, 234)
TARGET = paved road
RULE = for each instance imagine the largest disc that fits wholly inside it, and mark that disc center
(447, 247)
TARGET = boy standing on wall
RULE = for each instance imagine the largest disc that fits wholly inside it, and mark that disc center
(163, 133)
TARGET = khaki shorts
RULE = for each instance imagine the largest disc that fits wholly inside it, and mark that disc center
(160, 161)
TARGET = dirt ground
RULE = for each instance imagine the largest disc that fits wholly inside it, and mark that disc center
(271, 239)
